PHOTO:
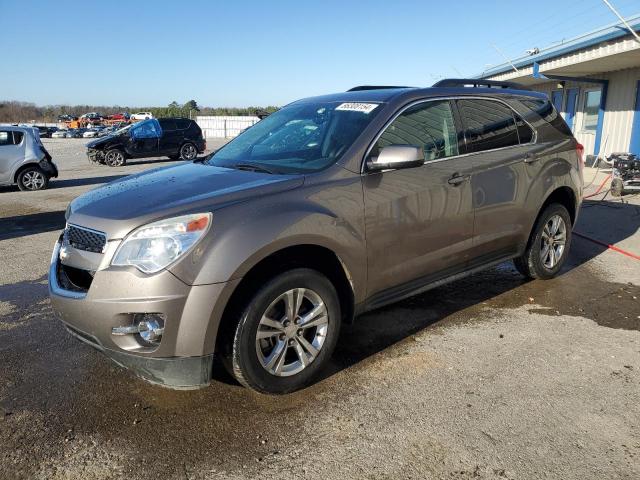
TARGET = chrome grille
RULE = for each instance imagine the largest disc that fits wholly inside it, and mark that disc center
(84, 239)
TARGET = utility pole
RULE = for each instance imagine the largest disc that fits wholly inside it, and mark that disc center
(633, 32)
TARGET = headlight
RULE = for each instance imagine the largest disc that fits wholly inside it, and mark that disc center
(155, 246)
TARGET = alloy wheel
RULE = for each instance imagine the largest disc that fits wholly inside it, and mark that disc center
(554, 239)
(189, 152)
(114, 158)
(33, 180)
(291, 332)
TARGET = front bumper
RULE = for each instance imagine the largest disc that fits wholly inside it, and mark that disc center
(184, 358)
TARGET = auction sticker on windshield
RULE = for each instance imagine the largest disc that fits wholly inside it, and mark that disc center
(357, 107)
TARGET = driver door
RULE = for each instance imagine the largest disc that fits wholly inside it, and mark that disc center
(144, 139)
(419, 221)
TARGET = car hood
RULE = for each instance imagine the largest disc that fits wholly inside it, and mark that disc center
(120, 206)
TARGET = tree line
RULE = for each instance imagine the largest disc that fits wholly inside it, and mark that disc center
(19, 112)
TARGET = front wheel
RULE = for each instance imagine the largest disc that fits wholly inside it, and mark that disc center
(286, 334)
(188, 151)
(32, 178)
(548, 246)
(114, 158)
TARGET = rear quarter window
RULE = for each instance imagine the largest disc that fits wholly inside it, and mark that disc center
(540, 112)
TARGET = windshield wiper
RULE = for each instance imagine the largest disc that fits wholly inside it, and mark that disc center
(252, 167)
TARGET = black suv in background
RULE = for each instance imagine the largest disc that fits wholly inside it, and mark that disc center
(155, 137)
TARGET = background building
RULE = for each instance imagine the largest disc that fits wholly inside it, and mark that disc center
(593, 80)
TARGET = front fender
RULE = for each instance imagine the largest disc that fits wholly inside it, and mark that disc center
(244, 234)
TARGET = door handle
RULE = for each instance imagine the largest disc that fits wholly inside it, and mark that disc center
(457, 179)
(530, 158)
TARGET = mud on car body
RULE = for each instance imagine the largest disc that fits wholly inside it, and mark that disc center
(330, 207)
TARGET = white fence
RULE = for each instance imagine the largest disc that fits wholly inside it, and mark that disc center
(224, 126)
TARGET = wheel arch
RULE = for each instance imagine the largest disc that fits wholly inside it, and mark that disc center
(563, 195)
(316, 257)
(22, 168)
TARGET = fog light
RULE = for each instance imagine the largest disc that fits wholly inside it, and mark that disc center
(150, 326)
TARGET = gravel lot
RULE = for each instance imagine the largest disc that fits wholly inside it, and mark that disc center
(490, 377)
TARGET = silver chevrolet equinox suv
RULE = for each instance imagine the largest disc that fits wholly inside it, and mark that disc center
(330, 207)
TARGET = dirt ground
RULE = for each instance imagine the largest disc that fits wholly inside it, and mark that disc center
(491, 377)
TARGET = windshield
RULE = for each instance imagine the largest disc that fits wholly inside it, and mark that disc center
(299, 138)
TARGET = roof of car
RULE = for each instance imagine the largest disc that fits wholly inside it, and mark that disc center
(383, 94)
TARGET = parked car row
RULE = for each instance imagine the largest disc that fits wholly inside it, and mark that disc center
(97, 117)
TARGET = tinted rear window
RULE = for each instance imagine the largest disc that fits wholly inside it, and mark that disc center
(545, 110)
(487, 125)
(183, 123)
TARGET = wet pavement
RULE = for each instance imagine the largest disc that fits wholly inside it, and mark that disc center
(488, 377)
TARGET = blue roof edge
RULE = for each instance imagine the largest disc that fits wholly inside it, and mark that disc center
(602, 34)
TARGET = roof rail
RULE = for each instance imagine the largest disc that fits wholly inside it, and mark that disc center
(475, 82)
(372, 87)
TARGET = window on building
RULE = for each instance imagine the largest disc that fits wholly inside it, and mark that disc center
(429, 125)
(488, 125)
(590, 110)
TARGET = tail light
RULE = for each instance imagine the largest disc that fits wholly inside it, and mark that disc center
(580, 152)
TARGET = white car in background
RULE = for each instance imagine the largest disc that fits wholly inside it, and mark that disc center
(59, 134)
(91, 133)
(141, 116)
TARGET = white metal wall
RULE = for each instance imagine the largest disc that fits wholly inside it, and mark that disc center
(619, 111)
(224, 126)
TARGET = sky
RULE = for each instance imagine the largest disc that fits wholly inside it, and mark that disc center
(258, 53)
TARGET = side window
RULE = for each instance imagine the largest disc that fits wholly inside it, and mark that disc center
(429, 125)
(17, 138)
(182, 123)
(5, 138)
(146, 129)
(167, 124)
(525, 133)
(488, 125)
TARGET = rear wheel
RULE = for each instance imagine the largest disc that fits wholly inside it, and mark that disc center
(548, 246)
(286, 333)
(188, 151)
(114, 158)
(32, 178)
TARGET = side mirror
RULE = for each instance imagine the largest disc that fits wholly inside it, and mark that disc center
(395, 157)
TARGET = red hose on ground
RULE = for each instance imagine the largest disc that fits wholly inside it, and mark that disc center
(604, 244)
(599, 188)
(609, 246)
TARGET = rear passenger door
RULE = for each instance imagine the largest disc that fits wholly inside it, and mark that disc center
(496, 140)
(170, 139)
(419, 221)
(11, 153)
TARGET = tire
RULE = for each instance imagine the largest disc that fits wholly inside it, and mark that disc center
(188, 151)
(290, 355)
(32, 179)
(537, 264)
(115, 158)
